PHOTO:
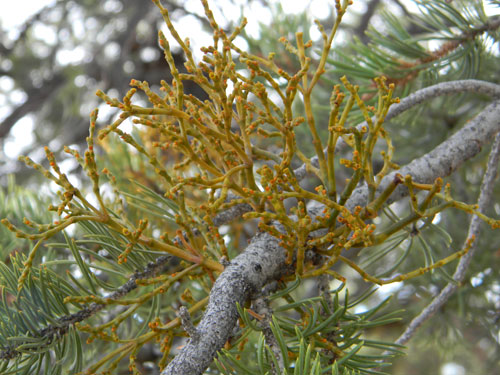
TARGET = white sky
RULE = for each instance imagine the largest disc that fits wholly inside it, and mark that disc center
(14, 13)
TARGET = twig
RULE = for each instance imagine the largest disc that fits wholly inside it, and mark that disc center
(53, 331)
(459, 275)
(261, 307)
(231, 213)
(187, 324)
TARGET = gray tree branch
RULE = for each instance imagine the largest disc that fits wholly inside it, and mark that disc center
(459, 275)
(63, 324)
(264, 260)
(444, 159)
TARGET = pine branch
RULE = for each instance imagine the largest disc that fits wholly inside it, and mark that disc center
(261, 307)
(401, 52)
(446, 49)
(483, 202)
(264, 260)
(54, 331)
(231, 213)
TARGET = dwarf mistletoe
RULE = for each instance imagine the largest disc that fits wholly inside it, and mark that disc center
(203, 168)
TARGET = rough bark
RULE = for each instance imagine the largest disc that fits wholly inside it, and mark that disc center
(261, 262)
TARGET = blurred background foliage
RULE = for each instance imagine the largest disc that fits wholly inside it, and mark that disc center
(51, 65)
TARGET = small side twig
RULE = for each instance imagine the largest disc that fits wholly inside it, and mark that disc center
(187, 324)
(324, 290)
(261, 307)
(459, 275)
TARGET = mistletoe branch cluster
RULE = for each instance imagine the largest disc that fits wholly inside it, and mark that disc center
(220, 161)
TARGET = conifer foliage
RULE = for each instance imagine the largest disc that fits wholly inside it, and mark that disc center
(211, 241)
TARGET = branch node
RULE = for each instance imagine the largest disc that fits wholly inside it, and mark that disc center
(187, 324)
(224, 261)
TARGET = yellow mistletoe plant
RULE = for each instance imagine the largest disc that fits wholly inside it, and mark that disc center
(157, 255)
